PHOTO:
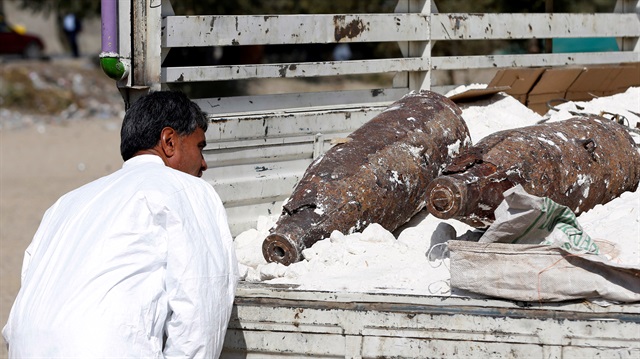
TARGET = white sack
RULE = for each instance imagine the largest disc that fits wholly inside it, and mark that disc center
(526, 219)
(546, 257)
(541, 273)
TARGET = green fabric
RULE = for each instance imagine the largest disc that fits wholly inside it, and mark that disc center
(525, 219)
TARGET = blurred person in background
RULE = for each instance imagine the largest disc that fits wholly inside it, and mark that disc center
(72, 26)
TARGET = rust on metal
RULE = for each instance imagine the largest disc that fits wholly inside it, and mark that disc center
(379, 175)
(349, 30)
(580, 163)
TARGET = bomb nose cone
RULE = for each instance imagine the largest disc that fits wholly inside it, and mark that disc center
(442, 198)
(279, 248)
(445, 197)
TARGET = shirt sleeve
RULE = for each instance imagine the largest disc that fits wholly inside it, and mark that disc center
(201, 278)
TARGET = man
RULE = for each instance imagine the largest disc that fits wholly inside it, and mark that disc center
(139, 263)
(72, 27)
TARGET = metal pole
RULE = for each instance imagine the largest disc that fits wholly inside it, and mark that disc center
(109, 57)
(109, 11)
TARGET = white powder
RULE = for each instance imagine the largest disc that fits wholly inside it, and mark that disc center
(616, 223)
(453, 149)
(495, 114)
(463, 88)
(411, 260)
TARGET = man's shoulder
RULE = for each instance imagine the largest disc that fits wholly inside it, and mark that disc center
(148, 176)
(171, 181)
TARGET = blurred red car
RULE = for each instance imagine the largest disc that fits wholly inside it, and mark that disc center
(16, 42)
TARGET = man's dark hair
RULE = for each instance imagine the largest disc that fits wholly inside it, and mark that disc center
(146, 118)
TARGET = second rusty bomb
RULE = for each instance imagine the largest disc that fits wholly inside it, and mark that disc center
(579, 163)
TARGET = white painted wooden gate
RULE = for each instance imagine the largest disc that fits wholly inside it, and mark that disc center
(259, 146)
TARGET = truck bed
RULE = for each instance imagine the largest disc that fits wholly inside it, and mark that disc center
(278, 321)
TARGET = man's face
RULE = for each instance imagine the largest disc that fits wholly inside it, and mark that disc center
(188, 156)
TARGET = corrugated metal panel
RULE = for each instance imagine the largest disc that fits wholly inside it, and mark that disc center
(242, 184)
(453, 26)
(225, 30)
(383, 325)
(300, 102)
(258, 188)
(532, 60)
(255, 161)
(453, 305)
(292, 70)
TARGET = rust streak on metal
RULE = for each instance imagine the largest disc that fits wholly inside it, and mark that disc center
(347, 30)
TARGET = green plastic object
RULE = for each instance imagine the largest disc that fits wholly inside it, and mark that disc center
(113, 67)
(585, 44)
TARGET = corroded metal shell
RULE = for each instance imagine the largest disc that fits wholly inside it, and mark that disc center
(580, 163)
(380, 175)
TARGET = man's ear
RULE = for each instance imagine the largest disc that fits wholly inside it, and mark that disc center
(168, 141)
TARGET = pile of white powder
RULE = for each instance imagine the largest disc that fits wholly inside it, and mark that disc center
(413, 258)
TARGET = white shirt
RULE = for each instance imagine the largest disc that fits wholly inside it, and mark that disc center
(69, 22)
(116, 261)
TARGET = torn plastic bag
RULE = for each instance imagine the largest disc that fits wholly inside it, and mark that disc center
(527, 219)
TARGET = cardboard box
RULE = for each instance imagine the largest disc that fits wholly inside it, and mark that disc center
(552, 85)
(593, 82)
(520, 81)
(536, 86)
(629, 76)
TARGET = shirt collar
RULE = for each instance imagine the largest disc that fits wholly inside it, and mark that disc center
(140, 159)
